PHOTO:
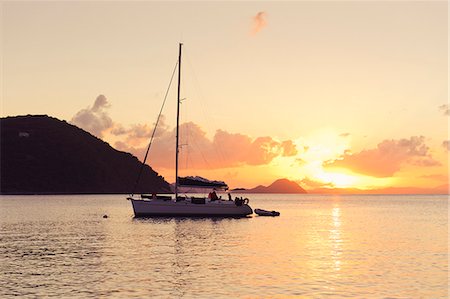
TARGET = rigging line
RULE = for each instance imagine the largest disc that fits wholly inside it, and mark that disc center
(154, 130)
(188, 132)
(219, 153)
(201, 153)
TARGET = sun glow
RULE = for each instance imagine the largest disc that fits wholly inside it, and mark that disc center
(339, 180)
(343, 178)
(307, 167)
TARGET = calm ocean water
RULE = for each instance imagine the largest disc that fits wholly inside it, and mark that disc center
(320, 247)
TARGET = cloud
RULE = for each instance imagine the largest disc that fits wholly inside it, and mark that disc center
(445, 109)
(140, 130)
(100, 103)
(118, 130)
(94, 119)
(299, 162)
(224, 150)
(388, 157)
(425, 162)
(289, 149)
(138, 134)
(262, 151)
(259, 22)
(437, 177)
(446, 144)
(344, 135)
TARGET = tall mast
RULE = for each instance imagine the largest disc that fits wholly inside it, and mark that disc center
(178, 120)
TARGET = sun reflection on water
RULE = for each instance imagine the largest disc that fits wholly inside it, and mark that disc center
(335, 238)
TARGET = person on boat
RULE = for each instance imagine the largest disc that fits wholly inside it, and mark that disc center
(213, 195)
(229, 196)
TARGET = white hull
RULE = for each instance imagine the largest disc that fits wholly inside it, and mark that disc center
(184, 208)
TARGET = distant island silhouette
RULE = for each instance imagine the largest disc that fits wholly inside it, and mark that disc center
(279, 186)
(44, 155)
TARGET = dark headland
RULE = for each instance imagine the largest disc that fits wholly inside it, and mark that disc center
(44, 155)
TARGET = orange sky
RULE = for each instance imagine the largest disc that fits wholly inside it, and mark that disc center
(329, 94)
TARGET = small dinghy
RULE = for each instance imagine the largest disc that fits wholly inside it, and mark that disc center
(262, 212)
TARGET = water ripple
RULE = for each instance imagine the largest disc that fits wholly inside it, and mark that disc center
(321, 247)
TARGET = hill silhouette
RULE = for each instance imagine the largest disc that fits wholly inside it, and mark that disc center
(44, 155)
(279, 186)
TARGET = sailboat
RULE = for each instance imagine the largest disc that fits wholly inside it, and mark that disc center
(184, 206)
